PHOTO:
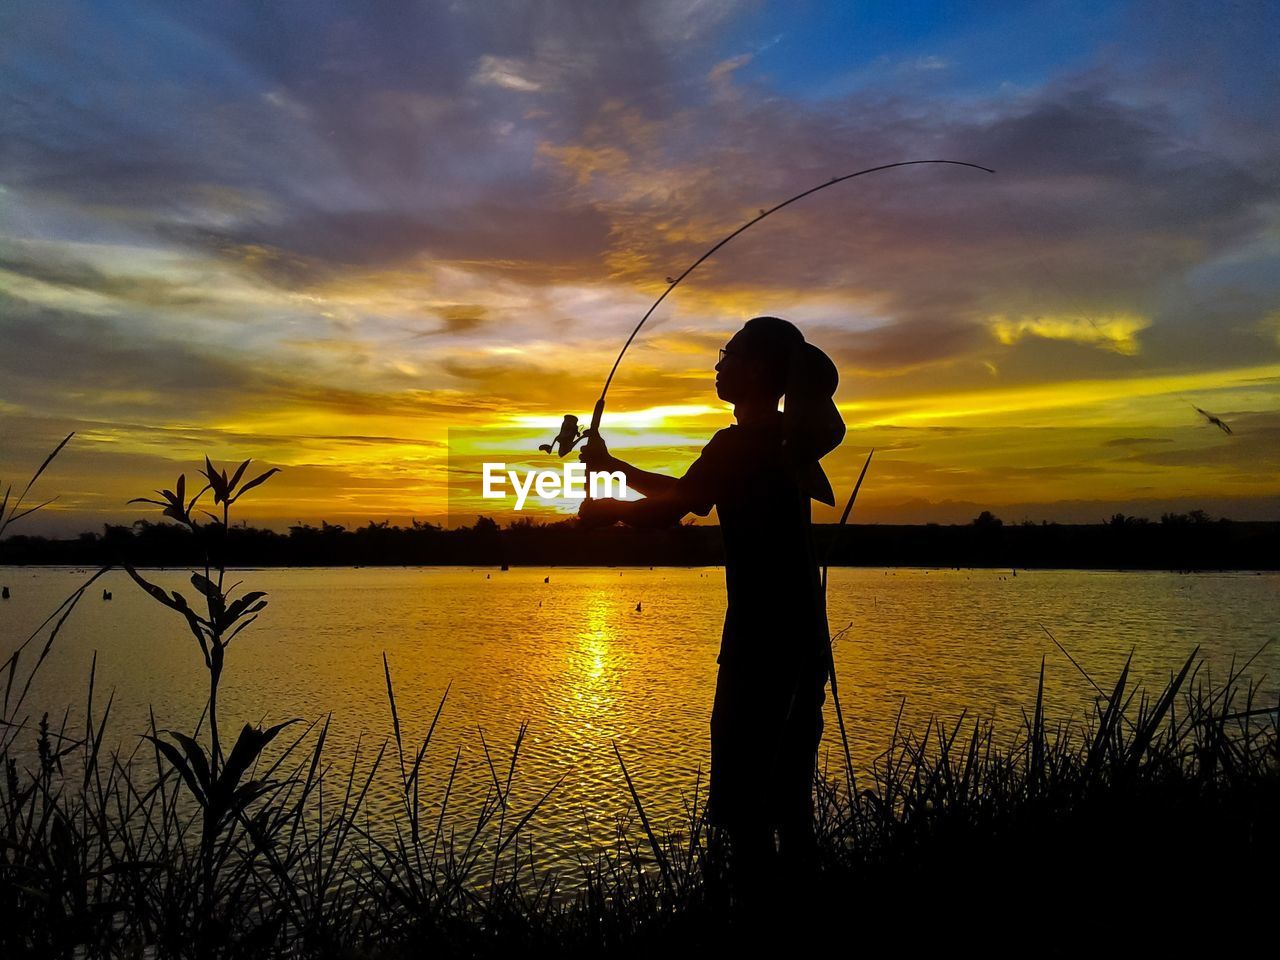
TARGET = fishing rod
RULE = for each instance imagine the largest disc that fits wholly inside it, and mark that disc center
(830, 644)
(569, 435)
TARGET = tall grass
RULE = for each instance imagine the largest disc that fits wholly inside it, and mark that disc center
(95, 863)
(956, 837)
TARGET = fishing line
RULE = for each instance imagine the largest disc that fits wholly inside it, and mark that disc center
(569, 436)
(599, 407)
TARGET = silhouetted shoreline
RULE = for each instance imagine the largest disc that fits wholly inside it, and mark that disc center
(1177, 542)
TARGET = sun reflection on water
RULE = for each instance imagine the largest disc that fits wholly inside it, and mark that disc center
(571, 652)
(591, 711)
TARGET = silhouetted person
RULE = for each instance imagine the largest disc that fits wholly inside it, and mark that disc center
(760, 474)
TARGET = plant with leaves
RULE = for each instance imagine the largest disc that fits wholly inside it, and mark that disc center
(215, 782)
(224, 618)
(224, 801)
(9, 512)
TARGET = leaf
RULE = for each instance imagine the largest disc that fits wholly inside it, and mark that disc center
(249, 745)
(249, 603)
(175, 758)
(1147, 731)
(217, 481)
(255, 481)
(272, 732)
(47, 460)
(240, 606)
(19, 516)
(231, 636)
(204, 585)
(237, 475)
(245, 751)
(151, 588)
(195, 754)
(248, 793)
(192, 504)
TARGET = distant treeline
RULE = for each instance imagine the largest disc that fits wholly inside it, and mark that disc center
(1177, 542)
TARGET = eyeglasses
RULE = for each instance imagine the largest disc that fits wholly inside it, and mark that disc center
(725, 353)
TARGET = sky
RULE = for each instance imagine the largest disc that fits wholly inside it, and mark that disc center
(328, 236)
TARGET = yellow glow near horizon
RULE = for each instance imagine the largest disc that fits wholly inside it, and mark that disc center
(360, 411)
(1086, 395)
(646, 418)
(360, 465)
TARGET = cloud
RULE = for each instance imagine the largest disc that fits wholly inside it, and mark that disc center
(46, 267)
(314, 246)
(62, 362)
(368, 161)
(458, 319)
(1118, 333)
(1271, 324)
(1252, 452)
(287, 223)
(909, 344)
(929, 255)
(1135, 441)
(929, 63)
(506, 72)
(720, 74)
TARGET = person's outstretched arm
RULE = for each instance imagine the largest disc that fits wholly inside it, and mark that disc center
(595, 454)
(661, 510)
(667, 499)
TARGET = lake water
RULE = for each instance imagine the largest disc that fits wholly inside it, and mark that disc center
(577, 660)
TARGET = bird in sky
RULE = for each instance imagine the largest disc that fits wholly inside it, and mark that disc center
(1216, 421)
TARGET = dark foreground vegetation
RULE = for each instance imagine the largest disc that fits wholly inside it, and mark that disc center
(1148, 825)
(1177, 542)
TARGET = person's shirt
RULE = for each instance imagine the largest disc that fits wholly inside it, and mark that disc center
(775, 614)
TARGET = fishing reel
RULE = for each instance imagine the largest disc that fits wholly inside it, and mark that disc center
(570, 436)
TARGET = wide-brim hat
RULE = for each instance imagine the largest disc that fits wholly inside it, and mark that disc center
(812, 424)
(807, 379)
